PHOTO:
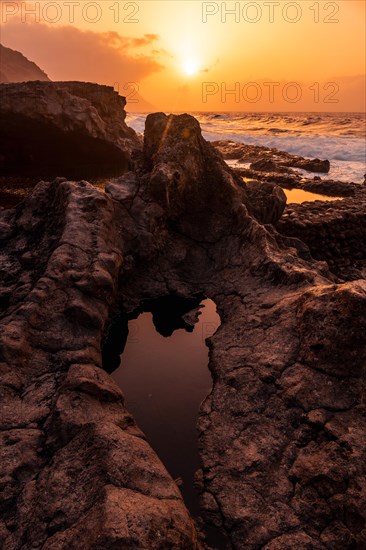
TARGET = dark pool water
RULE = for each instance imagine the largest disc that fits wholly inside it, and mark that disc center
(163, 373)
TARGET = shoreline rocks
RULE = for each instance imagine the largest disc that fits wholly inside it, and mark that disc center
(268, 159)
(335, 232)
(282, 433)
(265, 412)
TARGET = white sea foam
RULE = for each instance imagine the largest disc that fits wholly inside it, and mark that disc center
(338, 137)
(137, 122)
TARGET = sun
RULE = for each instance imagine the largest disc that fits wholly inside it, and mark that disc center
(190, 66)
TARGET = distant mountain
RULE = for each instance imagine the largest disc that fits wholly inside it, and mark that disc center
(15, 67)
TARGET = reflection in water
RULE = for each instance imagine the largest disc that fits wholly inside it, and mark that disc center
(299, 196)
(164, 377)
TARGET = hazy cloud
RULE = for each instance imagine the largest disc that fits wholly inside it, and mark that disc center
(68, 53)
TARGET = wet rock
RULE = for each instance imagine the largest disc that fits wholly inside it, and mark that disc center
(232, 150)
(330, 188)
(293, 180)
(268, 159)
(267, 165)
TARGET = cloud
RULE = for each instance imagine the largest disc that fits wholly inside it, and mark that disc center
(162, 52)
(69, 53)
(145, 40)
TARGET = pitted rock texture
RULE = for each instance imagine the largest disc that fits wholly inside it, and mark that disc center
(75, 128)
(335, 232)
(75, 469)
(280, 474)
(284, 363)
(282, 434)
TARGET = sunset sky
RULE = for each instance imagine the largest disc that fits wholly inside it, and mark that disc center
(183, 55)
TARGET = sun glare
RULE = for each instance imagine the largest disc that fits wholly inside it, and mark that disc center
(190, 67)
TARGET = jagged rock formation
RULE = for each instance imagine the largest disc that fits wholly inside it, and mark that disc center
(15, 67)
(73, 128)
(201, 212)
(282, 435)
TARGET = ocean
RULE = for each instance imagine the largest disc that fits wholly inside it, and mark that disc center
(338, 137)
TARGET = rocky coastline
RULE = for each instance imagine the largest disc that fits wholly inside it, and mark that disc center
(281, 435)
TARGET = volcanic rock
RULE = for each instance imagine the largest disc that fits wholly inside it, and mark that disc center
(270, 405)
(267, 165)
(73, 128)
(314, 165)
(267, 201)
(76, 471)
(334, 231)
(268, 159)
(200, 195)
(281, 435)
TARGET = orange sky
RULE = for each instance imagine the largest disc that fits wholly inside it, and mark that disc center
(188, 55)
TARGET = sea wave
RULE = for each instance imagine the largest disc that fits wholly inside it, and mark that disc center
(338, 137)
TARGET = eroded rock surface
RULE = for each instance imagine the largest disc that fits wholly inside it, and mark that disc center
(73, 128)
(267, 201)
(269, 165)
(282, 435)
(275, 473)
(75, 469)
(334, 231)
